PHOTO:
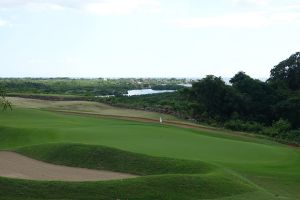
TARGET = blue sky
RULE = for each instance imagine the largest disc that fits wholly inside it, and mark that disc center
(146, 38)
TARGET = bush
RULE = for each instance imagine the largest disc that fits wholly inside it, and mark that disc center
(269, 131)
(292, 136)
(282, 126)
(279, 129)
(239, 125)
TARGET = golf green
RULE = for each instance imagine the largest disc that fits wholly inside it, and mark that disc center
(271, 167)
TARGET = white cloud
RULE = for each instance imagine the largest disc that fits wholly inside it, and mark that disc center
(292, 17)
(36, 5)
(251, 2)
(41, 7)
(102, 7)
(254, 18)
(234, 20)
(3, 23)
(121, 7)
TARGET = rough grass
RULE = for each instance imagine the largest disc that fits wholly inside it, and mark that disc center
(86, 106)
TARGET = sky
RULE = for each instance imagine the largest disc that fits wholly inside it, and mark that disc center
(146, 38)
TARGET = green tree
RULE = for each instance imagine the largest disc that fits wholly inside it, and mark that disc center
(282, 126)
(258, 98)
(285, 78)
(214, 99)
(289, 108)
(287, 73)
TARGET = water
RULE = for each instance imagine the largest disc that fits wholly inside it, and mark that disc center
(146, 91)
(186, 85)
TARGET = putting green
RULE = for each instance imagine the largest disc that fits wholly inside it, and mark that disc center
(273, 167)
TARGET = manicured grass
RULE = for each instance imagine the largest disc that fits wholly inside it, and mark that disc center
(145, 138)
(172, 187)
(174, 178)
(106, 158)
(274, 168)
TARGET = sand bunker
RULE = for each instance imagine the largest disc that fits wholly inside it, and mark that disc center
(14, 165)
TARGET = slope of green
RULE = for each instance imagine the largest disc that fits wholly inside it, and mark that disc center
(175, 179)
(272, 167)
(105, 158)
(181, 187)
(146, 138)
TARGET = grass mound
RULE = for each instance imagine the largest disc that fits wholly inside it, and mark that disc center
(273, 168)
(107, 158)
(181, 187)
(166, 178)
(170, 186)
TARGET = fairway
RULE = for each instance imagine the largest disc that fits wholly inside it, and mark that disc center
(149, 100)
(273, 169)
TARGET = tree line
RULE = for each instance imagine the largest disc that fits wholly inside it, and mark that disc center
(269, 107)
(86, 87)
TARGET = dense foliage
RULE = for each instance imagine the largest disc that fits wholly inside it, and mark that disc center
(170, 103)
(287, 73)
(246, 104)
(271, 107)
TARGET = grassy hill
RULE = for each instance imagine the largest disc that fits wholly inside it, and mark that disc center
(179, 163)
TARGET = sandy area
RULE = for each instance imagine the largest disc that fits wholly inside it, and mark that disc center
(14, 165)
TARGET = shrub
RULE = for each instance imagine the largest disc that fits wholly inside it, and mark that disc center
(239, 125)
(282, 126)
(292, 136)
(279, 129)
(269, 131)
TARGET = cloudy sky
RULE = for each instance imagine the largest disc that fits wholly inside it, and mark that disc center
(146, 38)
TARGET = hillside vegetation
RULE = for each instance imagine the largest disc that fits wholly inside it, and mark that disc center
(270, 108)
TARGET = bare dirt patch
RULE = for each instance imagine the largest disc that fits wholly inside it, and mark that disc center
(14, 165)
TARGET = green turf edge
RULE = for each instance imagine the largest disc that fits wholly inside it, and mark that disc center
(107, 158)
(179, 186)
(211, 131)
(179, 179)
